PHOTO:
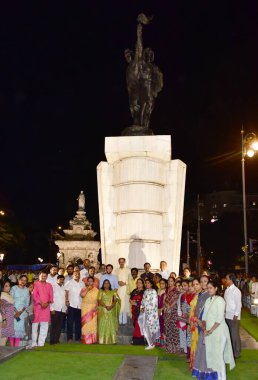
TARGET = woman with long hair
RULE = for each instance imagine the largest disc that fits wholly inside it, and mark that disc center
(108, 313)
(172, 339)
(183, 317)
(135, 301)
(89, 310)
(199, 366)
(217, 338)
(21, 298)
(161, 297)
(149, 319)
(193, 320)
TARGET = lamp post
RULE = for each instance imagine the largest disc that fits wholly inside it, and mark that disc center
(249, 148)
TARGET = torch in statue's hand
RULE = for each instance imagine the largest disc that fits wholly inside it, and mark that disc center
(143, 19)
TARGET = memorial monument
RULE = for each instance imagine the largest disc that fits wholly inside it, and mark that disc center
(140, 189)
(78, 241)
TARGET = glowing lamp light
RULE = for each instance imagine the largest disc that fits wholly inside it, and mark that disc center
(255, 145)
(40, 259)
(2, 212)
(255, 301)
(1, 257)
(250, 153)
(214, 219)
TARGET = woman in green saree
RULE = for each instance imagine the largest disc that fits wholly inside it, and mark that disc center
(108, 313)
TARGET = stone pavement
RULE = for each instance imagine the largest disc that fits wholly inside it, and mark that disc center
(247, 341)
(137, 368)
(8, 352)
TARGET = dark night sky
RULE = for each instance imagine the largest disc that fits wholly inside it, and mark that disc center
(63, 90)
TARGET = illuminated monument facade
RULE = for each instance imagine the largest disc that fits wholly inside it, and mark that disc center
(140, 189)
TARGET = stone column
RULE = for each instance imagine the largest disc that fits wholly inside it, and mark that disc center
(141, 198)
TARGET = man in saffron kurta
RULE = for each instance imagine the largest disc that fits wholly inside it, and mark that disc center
(42, 298)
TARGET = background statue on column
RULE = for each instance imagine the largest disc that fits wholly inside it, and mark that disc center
(81, 201)
(144, 82)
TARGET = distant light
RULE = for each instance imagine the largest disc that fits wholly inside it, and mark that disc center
(1, 257)
(2, 212)
(255, 145)
(214, 219)
(40, 259)
(224, 204)
(250, 153)
(59, 227)
(254, 203)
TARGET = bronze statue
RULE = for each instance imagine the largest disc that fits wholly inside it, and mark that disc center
(144, 82)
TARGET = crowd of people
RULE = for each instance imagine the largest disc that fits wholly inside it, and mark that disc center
(184, 315)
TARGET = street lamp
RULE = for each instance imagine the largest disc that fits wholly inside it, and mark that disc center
(249, 148)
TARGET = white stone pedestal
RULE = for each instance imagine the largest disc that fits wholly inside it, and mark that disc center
(141, 200)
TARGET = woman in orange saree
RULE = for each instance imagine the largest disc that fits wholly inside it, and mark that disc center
(89, 312)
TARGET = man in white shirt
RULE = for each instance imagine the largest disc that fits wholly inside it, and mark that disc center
(52, 276)
(69, 276)
(109, 276)
(123, 276)
(85, 271)
(58, 309)
(163, 270)
(102, 270)
(73, 302)
(233, 299)
(254, 288)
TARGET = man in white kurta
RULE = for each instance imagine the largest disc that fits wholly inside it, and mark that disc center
(123, 274)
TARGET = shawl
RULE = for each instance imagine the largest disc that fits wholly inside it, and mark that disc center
(7, 297)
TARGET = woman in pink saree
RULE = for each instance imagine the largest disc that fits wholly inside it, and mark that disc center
(89, 309)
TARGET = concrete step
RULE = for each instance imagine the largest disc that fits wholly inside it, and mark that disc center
(125, 334)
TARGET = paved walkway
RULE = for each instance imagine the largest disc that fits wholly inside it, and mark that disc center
(8, 352)
(247, 341)
(137, 368)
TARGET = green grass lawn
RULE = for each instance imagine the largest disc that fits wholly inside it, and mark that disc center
(105, 349)
(249, 323)
(60, 365)
(100, 362)
(246, 368)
